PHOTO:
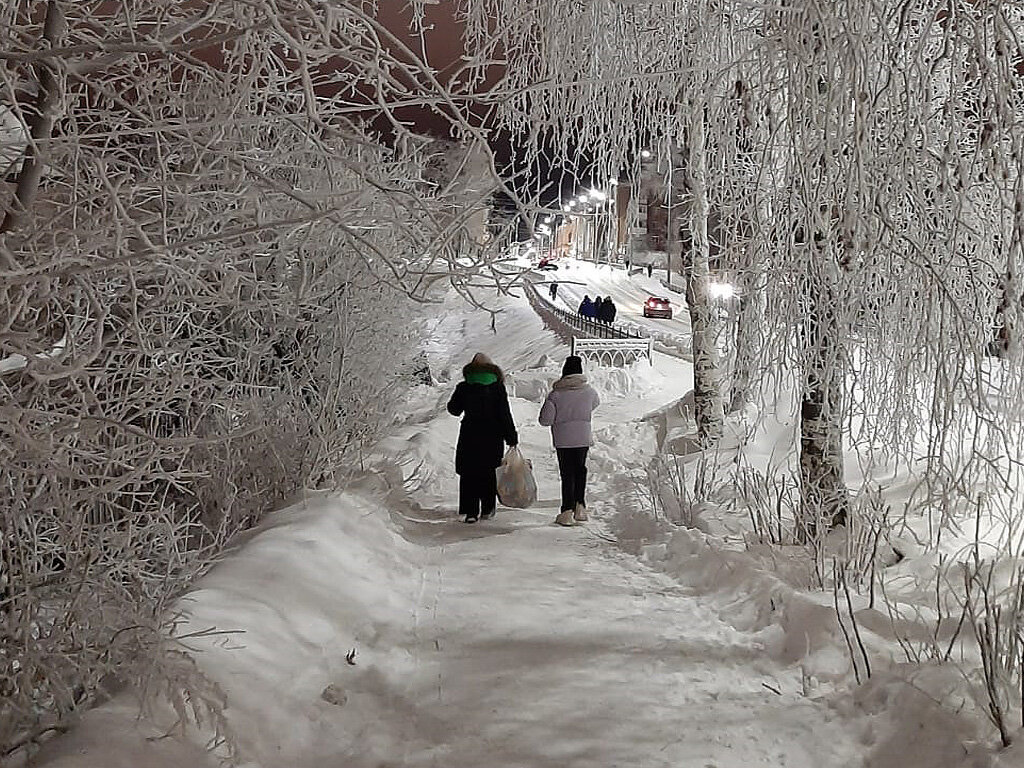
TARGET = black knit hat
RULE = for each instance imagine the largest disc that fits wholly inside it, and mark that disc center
(573, 364)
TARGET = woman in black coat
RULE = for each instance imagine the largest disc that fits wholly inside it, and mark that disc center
(487, 424)
(608, 311)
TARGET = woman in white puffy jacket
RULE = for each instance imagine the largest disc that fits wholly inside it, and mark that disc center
(567, 410)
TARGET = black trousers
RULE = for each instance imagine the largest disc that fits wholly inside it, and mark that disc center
(572, 467)
(478, 492)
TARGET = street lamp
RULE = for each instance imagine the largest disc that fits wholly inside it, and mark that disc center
(545, 238)
(723, 291)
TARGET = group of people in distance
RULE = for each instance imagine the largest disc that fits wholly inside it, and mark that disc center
(602, 310)
(482, 402)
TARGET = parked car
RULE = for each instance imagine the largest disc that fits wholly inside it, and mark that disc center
(547, 263)
(655, 306)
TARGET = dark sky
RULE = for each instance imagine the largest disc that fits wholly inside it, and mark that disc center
(443, 46)
(442, 35)
(440, 45)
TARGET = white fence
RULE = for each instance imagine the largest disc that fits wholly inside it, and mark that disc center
(612, 351)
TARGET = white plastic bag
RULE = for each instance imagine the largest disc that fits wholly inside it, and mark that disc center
(516, 486)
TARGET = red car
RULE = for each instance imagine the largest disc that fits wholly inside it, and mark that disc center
(655, 306)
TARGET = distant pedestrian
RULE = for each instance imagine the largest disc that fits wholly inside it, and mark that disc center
(586, 307)
(553, 290)
(567, 410)
(486, 425)
(608, 311)
(650, 270)
(598, 304)
(627, 266)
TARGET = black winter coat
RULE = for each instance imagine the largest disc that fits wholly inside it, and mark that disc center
(608, 311)
(486, 424)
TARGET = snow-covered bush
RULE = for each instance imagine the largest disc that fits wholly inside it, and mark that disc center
(210, 265)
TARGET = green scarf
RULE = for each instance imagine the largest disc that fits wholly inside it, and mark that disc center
(481, 377)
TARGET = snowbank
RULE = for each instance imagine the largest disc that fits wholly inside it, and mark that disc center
(317, 580)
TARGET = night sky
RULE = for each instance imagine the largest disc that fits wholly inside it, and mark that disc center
(442, 41)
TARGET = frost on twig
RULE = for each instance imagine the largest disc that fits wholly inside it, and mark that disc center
(210, 283)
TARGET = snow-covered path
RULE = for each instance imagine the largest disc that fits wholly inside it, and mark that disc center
(545, 646)
(512, 642)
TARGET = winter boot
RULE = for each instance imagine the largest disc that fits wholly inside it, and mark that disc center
(580, 514)
(564, 517)
(471, 518)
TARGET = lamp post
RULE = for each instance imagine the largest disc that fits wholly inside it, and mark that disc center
(572, 227)
(612, 230)
(547, 231)
(583, 227)
(669, 239)
(598, 197)
(543, 237)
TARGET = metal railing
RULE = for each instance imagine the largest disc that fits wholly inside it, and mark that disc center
(595, 329)
(606, 343)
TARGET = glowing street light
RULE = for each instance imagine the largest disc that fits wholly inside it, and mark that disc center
(645, 154)
(722, 291)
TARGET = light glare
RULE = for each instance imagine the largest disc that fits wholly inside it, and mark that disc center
(721, 290)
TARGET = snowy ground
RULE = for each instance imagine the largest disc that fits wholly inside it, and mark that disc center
(514, 642)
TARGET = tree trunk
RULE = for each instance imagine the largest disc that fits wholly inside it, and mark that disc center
(824, 497)
(707, 394)
(43, 115)
(751, 303)
(1009, 299)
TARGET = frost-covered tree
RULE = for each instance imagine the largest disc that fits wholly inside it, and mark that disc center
(215, 201)
(892, 228)
(863, 171)
(612, 77)
(864, 179)
(461, 175)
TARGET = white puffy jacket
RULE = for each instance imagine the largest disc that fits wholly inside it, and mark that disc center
(567, 411)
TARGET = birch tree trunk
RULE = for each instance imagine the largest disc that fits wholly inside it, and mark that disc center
(750, 316)
(825, 498)
(749, 162)
(707, 394)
